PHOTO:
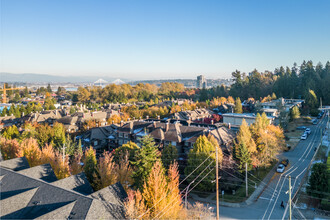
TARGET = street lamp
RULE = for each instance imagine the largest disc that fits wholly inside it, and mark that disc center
(187, 193)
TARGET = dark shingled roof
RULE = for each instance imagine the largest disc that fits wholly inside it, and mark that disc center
(15, 164)
(44, 172)
(25, 197)
(78, 183)
(115, 194)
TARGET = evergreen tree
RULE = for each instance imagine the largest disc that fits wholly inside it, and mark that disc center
(243, 157)
(49, 88)
(169, 155)
(11, 110)
(130, 149)
(294, 113)
(238, 106)
(318, 181)
(90, 166)
(29, 131)
(10, 132)
(244, 136)
(202, 149)
(58, 135)
(145, 160)
(4, 112)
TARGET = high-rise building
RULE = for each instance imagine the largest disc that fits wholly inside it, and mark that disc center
(201, 82)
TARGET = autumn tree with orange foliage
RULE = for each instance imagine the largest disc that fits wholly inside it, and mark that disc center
(159, 194)
(106, 171)
(31, 151)
(9, 148)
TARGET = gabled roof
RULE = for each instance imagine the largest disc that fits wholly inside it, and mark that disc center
(68, 120)
(25, 197)
(15, 164)
(44, 172)
(78, 183)
(99, 133)
(115, 194)
(137, 126)
(158, 133)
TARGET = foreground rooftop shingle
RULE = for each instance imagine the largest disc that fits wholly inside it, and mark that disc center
(24, 195)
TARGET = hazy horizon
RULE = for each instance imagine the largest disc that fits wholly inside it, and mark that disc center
(147, 40)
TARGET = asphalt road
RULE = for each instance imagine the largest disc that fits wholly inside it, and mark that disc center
(268, 204)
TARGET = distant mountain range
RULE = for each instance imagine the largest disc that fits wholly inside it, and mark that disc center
(45, 78)
(31, 78)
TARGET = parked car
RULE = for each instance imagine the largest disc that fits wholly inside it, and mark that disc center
(301, 128)
(285, 162)
(314, 121)
(280, 168)
(303, 137)
(288, 147)
(308, 131)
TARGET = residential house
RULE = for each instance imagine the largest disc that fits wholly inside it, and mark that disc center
(237, 118)
(164, 133)
(99, 138)
(35, 193)
(193, 114)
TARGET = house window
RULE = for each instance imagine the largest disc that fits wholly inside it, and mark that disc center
(173, 143)
(120, 142)
(120, 134)
(125, 135)
(186, 144)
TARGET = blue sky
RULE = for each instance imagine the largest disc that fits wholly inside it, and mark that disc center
(161, 38)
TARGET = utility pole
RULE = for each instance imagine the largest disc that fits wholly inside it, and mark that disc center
(290, 198)
(246, 181)
(63, 154)
(217, 180)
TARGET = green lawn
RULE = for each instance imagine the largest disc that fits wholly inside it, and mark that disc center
(240, 194)
(321, 153)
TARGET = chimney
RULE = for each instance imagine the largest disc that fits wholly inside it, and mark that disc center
(131, 125)
(167, 126)
(189, 122)
(158, 117)
(229, 126)
(121, 123)
(154, 123)
(212, 122)
(92, 114)
(147, 117)
(128, 119)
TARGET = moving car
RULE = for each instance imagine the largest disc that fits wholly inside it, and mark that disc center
(308, 131)
(280, 168)
(285, 162)
(303, 137)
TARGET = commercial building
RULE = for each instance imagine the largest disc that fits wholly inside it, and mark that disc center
(201, 82)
